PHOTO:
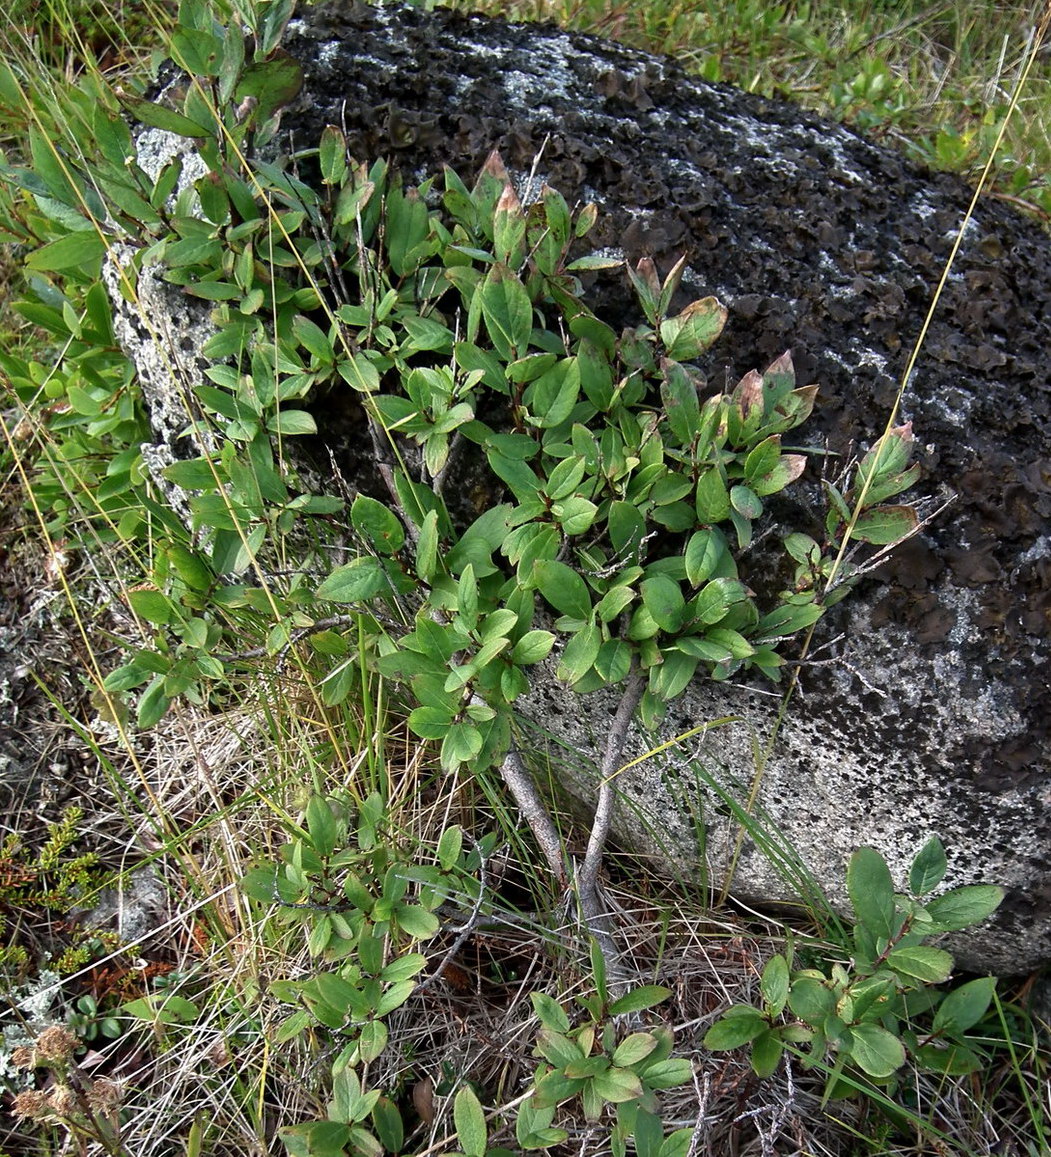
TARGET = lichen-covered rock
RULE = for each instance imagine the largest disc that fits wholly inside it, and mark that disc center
(817, 241)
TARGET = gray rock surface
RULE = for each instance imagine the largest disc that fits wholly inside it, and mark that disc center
(819, 241)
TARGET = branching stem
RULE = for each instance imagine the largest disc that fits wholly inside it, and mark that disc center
(592, 910)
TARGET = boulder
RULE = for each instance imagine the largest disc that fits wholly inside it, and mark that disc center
(931, 715)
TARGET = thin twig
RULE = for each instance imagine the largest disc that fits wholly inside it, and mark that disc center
(293, 638)
(465, 931)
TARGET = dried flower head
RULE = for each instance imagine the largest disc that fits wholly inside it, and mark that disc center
(56, 1044)
(104, 1095)
(63, 1101)
(32, 1104)
(23, 1057)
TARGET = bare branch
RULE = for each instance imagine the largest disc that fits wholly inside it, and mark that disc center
(592, 910)
(521, 786)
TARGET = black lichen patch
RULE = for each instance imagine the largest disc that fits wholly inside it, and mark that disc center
(817, 241)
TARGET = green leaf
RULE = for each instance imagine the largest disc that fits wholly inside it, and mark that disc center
(469, 1119)
(157, 116)
(954, 1061)
(704, 552)
(617, 1085)
(159, 1009)
(738, 646)
(575, 515)
(507, 311)
(626, 528)
(313, 338)
(788, 619)
(662, 597)
(478, 541)
(449, 848)
(461, 744)
(667, 1074)
(580, 654)
(746, 502)
(386, 1117)
(928, 868)
(427, 334)
(532, 647)
(593, 261)
(550, 1013)
(681, 407)
(360, 373)
(126, 678)
(921, 962)
(332, 153)
(876, 1051)
(407, 231)
(774, 985)
(691, 332)
(417, 922)
(737, 1027)
(377, 525)
(677, 1144)
(965, 1006)
(565, 478)
(699, 647)
(715, 599)
(767, 1051)
(292, 422)
(638, 1000)
(713, 498)
(430, 722)
(871, 892)
(885, 524)
(965, 906)
(371, 1043)
(467, 599)
(786, 470)
(357, 582)
(151, 605)
(153, 704)
(196, 52)
(762, 459)
(51, 166)
(552, 397)
(563, 588)
(69, 252)
(214, 290)
(634, 1048)
(614, 660)
(886, 460)
(671, 677)
(811, 1000)
(322, 825)
(558, 1049)
(615, 600)
(316, 1139)
(272, 83)
(404, 968)
(427, 548)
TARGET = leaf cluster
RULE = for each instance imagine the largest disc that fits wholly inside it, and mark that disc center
(886, 1005)
(358, 901)
(594, 1062)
